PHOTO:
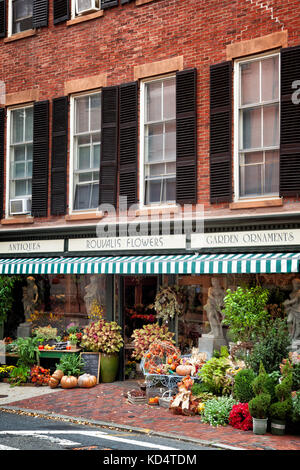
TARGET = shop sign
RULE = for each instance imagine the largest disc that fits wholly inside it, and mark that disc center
(245, 239)
(155, 242)
(32, 247)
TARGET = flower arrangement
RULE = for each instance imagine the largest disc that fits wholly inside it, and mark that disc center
(45, 333)
(39, 375)
(144, 337)
(102, 336)
(240, 418)
(96, 312)
(169, 302)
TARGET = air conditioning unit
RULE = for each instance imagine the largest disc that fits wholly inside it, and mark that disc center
(20, 206)
(86, 6)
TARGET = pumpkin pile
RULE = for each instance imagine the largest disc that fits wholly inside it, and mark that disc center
(70, 381)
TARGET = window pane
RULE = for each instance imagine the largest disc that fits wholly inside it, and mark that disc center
(170, 141)
(84, 177)
(251, 128)
(19, 153)
(95, 112)
(154, 143)
(82, 114)
(253, 157)
(251, 180)
(170, 189)
(82, 196)
(83, 139)
(153, 189)
(169, 99)
(171, 168)
(156, 170)
(250, 83)
(272, 172)
(19, 170)
(95, 196)
(271, 126)
(29, 152)
(154, 101)
(22, 8)
(29, 124)
(84, 158)
(18, 117)
(96, 156)
(270, 78)
(20, 188)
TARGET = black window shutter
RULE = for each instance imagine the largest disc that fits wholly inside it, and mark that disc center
(59, 156)
(123, 2)
(109, 4)
(2, 18)
(109, 146)
(61, 11)
(40, 13)
(289, 124)
(128, 141)
(220, 132)
(186, 137)
(2, 124)
(39, 206)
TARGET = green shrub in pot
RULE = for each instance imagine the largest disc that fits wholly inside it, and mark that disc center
(282, 409)
(260, 404)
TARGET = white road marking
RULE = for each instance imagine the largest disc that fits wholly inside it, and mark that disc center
(95, 434)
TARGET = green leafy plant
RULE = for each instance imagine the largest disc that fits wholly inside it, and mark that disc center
(7, 284)
(73, 338)
(217, 411)
(296, 407)
(45, 333)
(296, 377)
(102, 336)
(144, 337)
(283, 407)
(214, 375)
(245, 312)
(260, 404)
(271, 346)
(19, 375)
(169, 302)
(27, 350)
(242, 389)
(199, 388)
(71, 364)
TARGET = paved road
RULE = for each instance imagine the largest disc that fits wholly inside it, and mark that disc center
(24, 432)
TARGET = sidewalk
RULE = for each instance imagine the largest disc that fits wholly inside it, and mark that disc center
(107, 405)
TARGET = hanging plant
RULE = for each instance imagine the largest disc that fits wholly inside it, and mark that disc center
(169, 302)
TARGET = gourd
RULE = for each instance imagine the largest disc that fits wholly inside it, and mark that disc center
(58, 374)
(87, 381)
(68, 381)
(53, 382)
(184, 370)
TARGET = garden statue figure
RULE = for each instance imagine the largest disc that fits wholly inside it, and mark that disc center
(93, 291)
(213, 307)
(292, 308)
(30, 297)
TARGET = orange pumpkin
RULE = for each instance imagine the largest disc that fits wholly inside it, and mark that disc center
(53, 383)
(68, 381)
(87, 381)
(184, 370)
(58, 374)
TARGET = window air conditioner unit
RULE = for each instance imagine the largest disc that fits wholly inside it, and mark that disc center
(20, 206)
(86, 6)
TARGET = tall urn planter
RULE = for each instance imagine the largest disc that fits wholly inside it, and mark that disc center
(109, 366)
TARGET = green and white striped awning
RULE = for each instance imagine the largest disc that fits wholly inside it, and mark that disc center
(166, 264)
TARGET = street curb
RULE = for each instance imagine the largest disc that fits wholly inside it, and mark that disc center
(121, 427)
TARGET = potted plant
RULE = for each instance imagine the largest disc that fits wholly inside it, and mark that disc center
(144, 337)
(71, 365)
(73, 340)
(259, 405)
(105, 338)
(282, 409)
(45, 334)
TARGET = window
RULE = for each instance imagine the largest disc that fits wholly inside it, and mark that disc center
(258, 127)
(159, 135)
(86, 151)
(81, 7)
(20, 158)
(21, 12)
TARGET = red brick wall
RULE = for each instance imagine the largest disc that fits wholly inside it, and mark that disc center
(131, 35)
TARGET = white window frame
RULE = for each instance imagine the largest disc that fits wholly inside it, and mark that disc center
(8, 152)
(237, 130)
(10, 20)
(73, 10)
(72, 156)
(141, 173)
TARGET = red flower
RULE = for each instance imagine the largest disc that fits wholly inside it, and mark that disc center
(240, 417)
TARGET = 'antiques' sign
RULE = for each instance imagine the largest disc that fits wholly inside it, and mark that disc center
(245, 239)
(32, 247)
(154, 242)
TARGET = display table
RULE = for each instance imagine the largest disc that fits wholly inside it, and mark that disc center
(55, 353)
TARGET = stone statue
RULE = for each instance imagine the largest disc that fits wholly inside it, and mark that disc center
(93, 294)
(215, 302)
(30, 297)
(292, 307)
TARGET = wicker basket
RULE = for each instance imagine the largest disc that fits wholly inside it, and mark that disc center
(166, 399)
(136, 400)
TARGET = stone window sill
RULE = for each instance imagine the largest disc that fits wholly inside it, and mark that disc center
(18, 220)
(157, 211)
(81, 19)
(256, 204)
(142, 2)
(17, 36)
(84, 216)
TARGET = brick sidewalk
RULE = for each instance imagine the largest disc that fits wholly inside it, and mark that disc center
(107, 403)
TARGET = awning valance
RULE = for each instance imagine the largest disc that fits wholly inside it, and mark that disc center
(164, 264)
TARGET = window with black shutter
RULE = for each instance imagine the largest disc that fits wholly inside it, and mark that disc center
(186, 137)
(40, 13)
(290, 123)
(220, 132)
(61, 11)
(109, 4)
(39, 203)
(128, 99)
(59, 155)
(109, 146)
(2, 124)
(2, 18)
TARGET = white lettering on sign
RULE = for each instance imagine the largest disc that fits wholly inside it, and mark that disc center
(128, 243)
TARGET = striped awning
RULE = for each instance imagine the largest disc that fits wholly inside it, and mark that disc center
(166, 264)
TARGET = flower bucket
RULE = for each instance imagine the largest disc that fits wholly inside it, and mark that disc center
(109, 365)
(260, 425)
(277, 427)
